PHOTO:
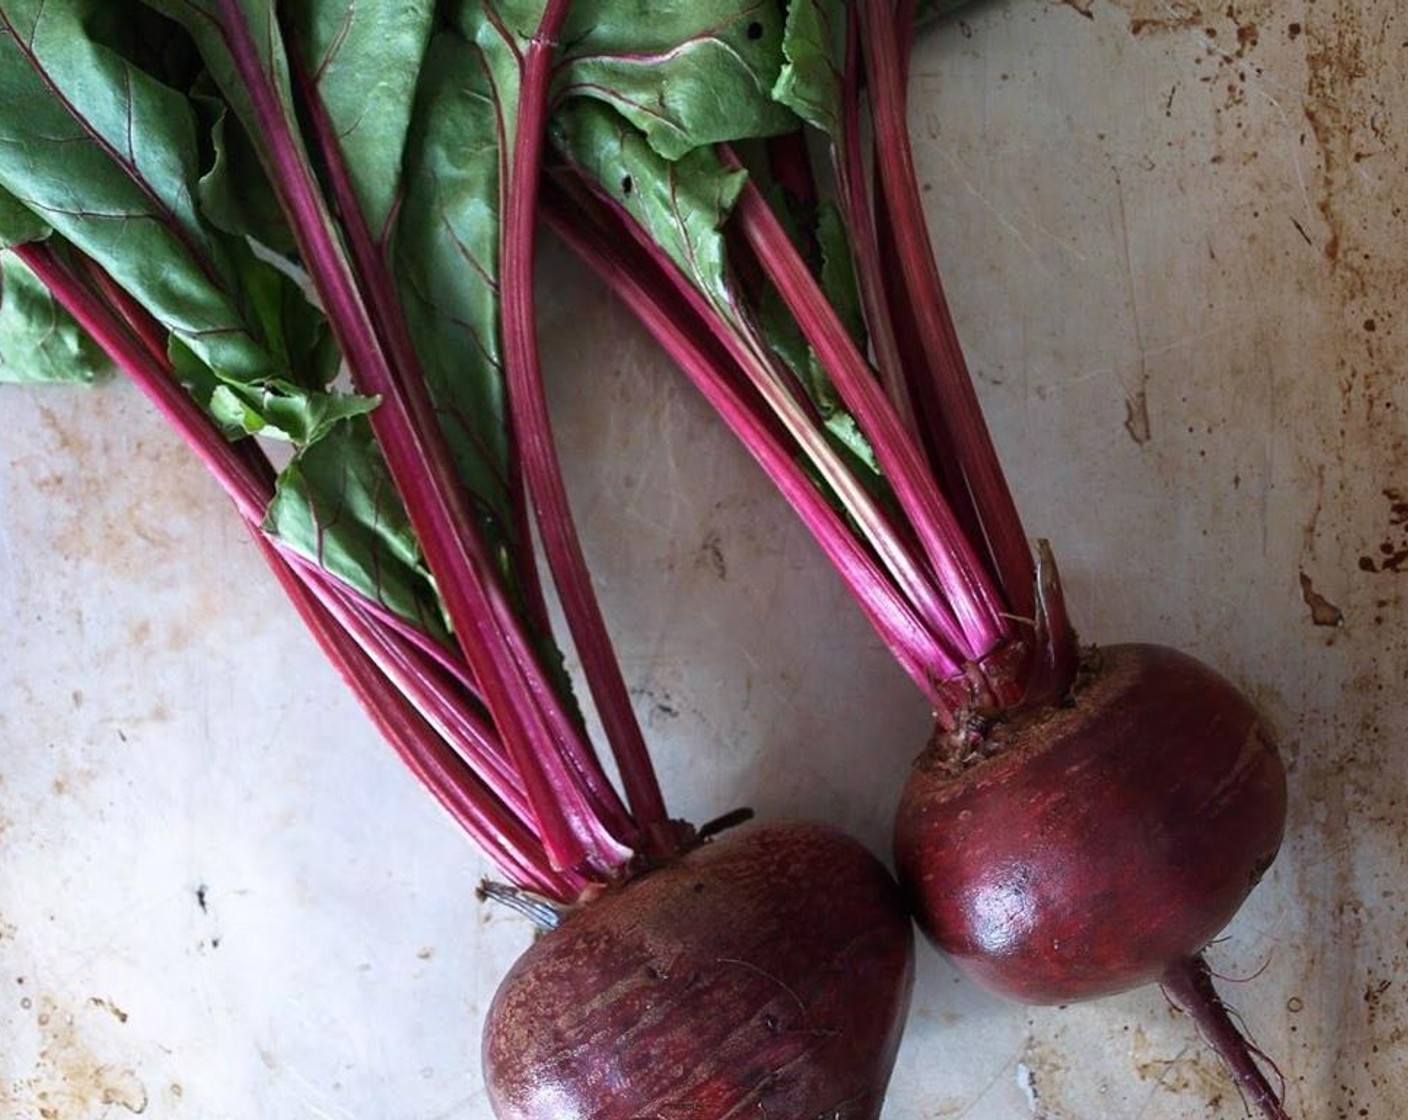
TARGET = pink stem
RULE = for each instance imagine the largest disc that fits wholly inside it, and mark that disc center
(966, 586)
(920, 388)
(751, 354)
(972, 443)
(532, 427)
(491, 824)
(637, 281)
(855, 199)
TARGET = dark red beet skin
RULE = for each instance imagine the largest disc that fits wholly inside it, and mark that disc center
(1104, 841)
(767, 973)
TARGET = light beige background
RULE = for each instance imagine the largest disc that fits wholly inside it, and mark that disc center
(1174, 239)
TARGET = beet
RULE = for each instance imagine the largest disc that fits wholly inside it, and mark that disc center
(767, 973)
(1075, 851)
(1098, 843)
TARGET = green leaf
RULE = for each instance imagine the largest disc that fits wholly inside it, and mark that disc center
(297, 405)
(838, 282)
(39, 341)
(234, 193)
(687, 73)
(336, 505)
(683, 204)
(19, 224)
(275, 409)
(838, 270)
(365, 59)
(107, 155)
(218, 28)
(447, 262)
(814, 47)
(110, 157)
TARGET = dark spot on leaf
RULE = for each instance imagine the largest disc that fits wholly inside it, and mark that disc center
(698, 888)
(627, 184)
(755, 30)
(201, 898)
(771, 1023)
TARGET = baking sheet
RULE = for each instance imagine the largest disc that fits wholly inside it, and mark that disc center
(1173, 237)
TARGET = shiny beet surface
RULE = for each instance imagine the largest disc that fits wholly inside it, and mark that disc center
(767, 973)
(1104, 841)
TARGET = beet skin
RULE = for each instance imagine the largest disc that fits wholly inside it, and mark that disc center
(1102, 842)
(766, 973)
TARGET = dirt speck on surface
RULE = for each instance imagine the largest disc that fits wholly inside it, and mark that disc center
(1085, 8)
(108, 1006)
(1039, 1073)
(1136, 417)
(711, 554)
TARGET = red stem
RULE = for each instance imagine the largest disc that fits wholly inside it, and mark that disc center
(532, 428)
(491, 824)
(371, 255)
(934, 431)
(870, 274)
(971, 442)
(790, 164)
(390, 323)
(966, 587)
(941, 649)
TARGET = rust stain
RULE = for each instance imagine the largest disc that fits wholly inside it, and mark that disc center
(1391, 555)
(97, 514)
(1193, 1070)
(70, 1081)
(1147, 17)
(1322, 611)
(1232, 29)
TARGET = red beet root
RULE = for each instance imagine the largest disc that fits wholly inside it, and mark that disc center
(767, 973)
(1101, 842)
(1082, 850)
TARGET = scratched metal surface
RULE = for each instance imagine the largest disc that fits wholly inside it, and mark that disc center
(1173, 237)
